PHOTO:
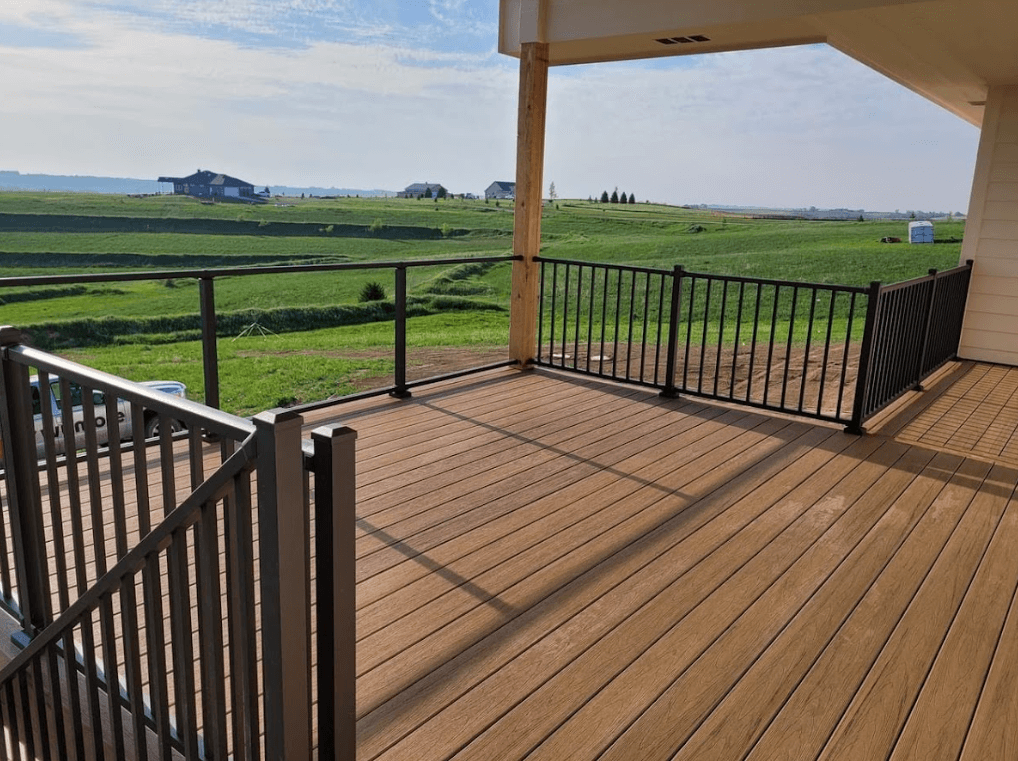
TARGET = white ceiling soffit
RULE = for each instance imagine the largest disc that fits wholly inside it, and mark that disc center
(949, 51)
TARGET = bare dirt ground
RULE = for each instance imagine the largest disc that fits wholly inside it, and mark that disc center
(770, 375)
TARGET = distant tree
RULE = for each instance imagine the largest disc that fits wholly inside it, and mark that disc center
(623, 198)
(862, 218)
(441, 192)
(615, 196)
(551, 192)
(590, 199)
(632, 198)
(427, 192)
(604, 197)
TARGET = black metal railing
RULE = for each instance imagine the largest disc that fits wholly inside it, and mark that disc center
(604, 320)
(916, 328)
(771, 344)
(163, 584)
(210, 325)
(829, 352)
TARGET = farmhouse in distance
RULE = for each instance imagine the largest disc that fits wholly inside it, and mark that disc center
(206, 184)
(423, 190)
(501, 190)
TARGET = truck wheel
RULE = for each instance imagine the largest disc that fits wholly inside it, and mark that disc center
(152, 427)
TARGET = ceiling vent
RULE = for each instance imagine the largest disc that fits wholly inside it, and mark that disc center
(683, 40)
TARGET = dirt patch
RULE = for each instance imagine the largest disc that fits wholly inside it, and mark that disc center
(822, 382)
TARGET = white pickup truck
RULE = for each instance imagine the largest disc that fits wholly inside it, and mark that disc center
(51, 397)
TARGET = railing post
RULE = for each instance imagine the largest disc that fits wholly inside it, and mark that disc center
(24, 498)
(862, 379)
(285, 590)
(926, 332)
(335, 582)
(209, 350)
(400, 391)
(673, 332)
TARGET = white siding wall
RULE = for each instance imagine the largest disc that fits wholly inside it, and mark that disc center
(991, 236)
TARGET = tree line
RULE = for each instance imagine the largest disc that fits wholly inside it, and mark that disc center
(615, 197)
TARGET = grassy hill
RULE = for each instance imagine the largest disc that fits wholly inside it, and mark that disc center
(148, 327)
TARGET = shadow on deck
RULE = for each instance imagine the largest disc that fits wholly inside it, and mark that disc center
(557, 568)
(553, 568)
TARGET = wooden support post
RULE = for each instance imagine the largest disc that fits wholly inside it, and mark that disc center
(283, 549)
(529, 178)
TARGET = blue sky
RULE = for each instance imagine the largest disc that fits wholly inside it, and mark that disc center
(382, 93)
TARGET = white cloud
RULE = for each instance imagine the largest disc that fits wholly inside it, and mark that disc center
(794, 127)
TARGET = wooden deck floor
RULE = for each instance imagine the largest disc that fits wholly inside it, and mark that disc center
(554, 568)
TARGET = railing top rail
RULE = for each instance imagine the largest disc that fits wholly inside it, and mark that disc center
(111, 277)
(192, 413)
(706, 275)
(754, 280)
(935, 276)
(775, 282)
(603, 265)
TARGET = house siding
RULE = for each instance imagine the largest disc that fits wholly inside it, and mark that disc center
(990, 332)
(501, 190)
(206, 184)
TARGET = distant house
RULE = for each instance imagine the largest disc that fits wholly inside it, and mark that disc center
(420, 190)
(206, 184)
(501, 190)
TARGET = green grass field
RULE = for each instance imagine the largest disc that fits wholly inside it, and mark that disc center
(123, 327)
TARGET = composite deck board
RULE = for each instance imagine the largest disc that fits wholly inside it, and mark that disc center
(976, 414)
(641, 618)
(661, 544)
(881, 705)
(519, 691)
(742, 715)
(546, 480)
(572, 503)
(675, 627)
(941, 714)
(731, 627)
(561, 568)
(550, 563)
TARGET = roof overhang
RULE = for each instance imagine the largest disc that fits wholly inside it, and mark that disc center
(949, 51)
